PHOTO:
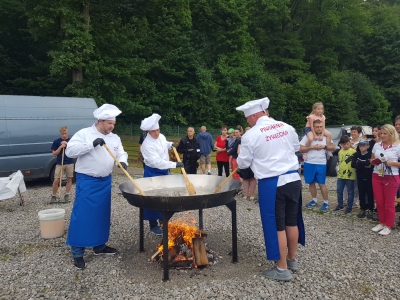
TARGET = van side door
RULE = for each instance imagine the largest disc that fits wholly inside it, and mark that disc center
(4, 149)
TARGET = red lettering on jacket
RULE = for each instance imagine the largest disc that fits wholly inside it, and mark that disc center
(277, 135)
(270, 127)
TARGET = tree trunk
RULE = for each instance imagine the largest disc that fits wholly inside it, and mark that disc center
(77, 73)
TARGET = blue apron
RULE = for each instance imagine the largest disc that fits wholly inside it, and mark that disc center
(267, 195)
(149, 214)
(91, 214)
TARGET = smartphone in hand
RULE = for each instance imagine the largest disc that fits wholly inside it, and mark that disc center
(369, 136)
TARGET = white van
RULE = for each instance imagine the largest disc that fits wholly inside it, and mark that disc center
(30, 124)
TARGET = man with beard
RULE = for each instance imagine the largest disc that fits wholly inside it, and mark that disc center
(91, 213)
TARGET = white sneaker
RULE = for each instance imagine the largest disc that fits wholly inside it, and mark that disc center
(378, 228)
(385, 231)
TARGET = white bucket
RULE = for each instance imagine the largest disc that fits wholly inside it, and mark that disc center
(51, 222)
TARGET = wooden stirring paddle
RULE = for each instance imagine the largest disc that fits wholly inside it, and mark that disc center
(226, 180)
(126, 173)
(189, 185)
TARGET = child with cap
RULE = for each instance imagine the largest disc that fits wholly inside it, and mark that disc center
(346, 175)
(361, 162)
(230, 140)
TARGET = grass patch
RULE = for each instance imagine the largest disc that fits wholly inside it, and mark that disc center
(27, 249)
(4, 257)
(367, 288)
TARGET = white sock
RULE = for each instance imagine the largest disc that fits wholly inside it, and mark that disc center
(315, 200)
(326, 202)
(279, 269)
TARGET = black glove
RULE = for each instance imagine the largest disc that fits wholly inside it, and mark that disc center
(123, 165)
(98, 141)
(179, 164)
(174, 145)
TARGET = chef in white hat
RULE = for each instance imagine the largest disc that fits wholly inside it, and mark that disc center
(268, 148)
(91, 213)
(156, 158)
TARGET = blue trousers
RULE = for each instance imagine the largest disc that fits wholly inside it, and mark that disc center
(341, 183)
(80, 251)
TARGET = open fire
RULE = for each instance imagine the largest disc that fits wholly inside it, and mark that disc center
(186, 245)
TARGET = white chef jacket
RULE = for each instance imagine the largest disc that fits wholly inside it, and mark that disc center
(95, 161)
(269, 149)
(315, 157)
(155, 152)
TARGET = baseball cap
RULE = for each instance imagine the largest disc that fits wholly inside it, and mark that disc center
(231, 130)
(363, 143)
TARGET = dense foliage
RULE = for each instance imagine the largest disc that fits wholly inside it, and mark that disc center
(194, 61)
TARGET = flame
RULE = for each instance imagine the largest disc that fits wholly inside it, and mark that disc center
(179, 230)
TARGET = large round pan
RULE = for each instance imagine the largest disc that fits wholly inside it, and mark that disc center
(205, 185)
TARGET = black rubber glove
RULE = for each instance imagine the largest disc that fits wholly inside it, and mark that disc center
(98, 141)
(174, 145)
(124, 165)
(179, 164)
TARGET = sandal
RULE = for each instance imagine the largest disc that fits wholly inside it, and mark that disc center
(244, 198)
(251, 199)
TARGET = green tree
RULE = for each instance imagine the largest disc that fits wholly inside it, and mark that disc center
(301, 95)
(380, 52)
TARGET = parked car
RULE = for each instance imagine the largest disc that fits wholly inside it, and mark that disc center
(30, 124)
(337, 132)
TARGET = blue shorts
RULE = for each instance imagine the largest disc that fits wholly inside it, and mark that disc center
(308, 129)
(314, 173)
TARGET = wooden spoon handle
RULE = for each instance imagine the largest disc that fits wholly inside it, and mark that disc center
(189, 185)
(226, 180)
(126, 173)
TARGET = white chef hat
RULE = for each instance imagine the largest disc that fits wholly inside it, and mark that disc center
(106, 112)
(151, 123)
(254, 106)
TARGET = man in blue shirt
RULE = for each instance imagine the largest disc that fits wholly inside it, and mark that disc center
(66, 163)
(206, 145)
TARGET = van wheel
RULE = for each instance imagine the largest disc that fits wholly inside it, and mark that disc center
(331, 167)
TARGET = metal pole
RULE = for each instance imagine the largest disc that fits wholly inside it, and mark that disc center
(200, 218)
(232, 207)
(166, 216)
(141, 231)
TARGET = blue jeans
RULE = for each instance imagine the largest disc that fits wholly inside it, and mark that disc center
(341, 183)
(79, 251)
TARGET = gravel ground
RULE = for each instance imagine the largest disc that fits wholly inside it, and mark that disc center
(343, 258)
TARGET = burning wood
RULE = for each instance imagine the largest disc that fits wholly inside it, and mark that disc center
(186, 246)
(200, 253)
